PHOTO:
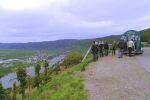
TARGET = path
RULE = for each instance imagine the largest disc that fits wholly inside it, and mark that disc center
(111, 78)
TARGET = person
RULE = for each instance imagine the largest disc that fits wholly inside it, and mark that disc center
(131, 47)
(101, 44)
(94, 50)
(106, 47)
(113, 47)
(120, 47)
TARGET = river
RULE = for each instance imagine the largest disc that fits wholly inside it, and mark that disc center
(9, 79)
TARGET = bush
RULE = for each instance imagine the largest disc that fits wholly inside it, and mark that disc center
(2, 92)
(72, 58)
(21, 77)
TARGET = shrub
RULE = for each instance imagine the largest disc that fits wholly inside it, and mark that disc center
(2, 92)
(72, 58)
(37, 68)
(21, 77)
(149, 42)
(14, 91)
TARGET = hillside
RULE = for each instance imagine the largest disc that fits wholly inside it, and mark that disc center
(145, 35)
(67, 44)
(59, 45)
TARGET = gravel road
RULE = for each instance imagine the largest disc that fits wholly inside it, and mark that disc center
(144, 59)
(111, 78)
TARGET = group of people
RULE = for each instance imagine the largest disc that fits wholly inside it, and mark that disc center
(101, 49)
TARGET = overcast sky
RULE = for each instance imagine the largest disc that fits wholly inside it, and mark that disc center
(47, 20)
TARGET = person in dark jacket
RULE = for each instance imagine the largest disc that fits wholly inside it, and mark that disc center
(101, 46)
(121, 48)
(106, 48)
(94, 50)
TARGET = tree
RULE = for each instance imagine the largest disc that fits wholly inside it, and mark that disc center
(21, 76)
(46, 69)
(2, 93)
(37, 68)
(45, 66)
(29, 82)
(14, 91)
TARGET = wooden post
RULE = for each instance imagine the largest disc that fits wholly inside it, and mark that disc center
(87, 53)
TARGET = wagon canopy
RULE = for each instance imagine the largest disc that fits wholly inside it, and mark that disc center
(135, 36)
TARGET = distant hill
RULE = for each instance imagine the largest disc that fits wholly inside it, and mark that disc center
(145, 35)
(67, 44)
(59, 45)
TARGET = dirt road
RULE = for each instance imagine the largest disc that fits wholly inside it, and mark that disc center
(111, 78)
(144, 59)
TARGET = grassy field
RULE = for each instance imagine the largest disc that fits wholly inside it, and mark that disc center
(12, 68)
(8, 54)
(64, 86)
(13, 54)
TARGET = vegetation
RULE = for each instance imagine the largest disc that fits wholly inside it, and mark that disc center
(21, 77)
(14, 91)
(46, 70)
(64, 86)
(145, 35)
(60, 46)
(5, 70)
(37, 68)
(72, 58)
(8, 54)
(2, 92)
(12, 68)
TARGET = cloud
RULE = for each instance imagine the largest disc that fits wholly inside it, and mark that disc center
(22, 5)
(97, 24)
(43, 20)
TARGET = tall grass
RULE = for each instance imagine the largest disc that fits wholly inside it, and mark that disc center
(64, 86)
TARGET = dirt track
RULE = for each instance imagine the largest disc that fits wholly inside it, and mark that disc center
(111, 78)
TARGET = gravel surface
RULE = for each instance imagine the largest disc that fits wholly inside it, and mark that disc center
(111, 78)
(144, 59)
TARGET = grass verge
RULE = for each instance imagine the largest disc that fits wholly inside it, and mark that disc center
(64, 86)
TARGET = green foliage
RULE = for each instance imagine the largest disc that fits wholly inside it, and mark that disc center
(37, 68)
(64, 86)
(56, 53)
(12, 68)
(5, 70)
(145, 35)
(148, 41)
(72, 58)
(68, 91)
(7, 54)
(2, 93)
(56, 68)
(35, 82)
(29, 83)
(45, 71)
(21, 76)
(45, 64)
(14, 91)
